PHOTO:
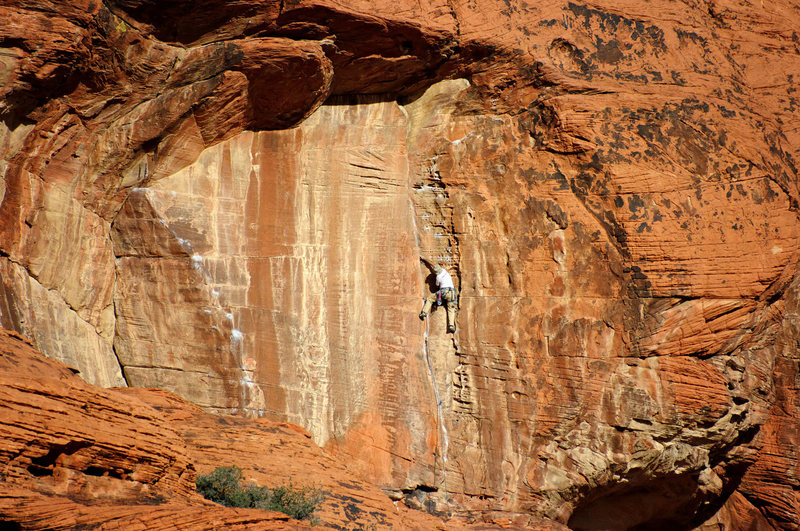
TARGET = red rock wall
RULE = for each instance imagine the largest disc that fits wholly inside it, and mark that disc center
(77, 456)
(302, 312)
(65, 437)
(613, 187)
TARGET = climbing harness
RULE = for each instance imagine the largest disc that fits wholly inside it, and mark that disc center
(446, 295)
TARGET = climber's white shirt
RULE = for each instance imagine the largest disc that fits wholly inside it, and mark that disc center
(444, 280)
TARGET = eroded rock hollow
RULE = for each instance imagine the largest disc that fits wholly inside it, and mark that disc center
(229, 200)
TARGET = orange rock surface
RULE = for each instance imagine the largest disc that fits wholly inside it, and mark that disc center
(228, 199)
(75, 455)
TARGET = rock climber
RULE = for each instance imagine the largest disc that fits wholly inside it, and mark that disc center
(445, 294)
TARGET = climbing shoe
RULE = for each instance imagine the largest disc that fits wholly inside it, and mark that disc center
(451, 329)
(423, 315)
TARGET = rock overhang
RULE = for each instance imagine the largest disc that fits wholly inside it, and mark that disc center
(630, 270)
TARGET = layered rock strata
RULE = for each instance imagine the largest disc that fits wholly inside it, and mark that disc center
(75, 455)
(229, 202)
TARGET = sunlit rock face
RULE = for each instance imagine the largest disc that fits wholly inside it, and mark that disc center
(76, 455)
(284, 269)
(233, 206)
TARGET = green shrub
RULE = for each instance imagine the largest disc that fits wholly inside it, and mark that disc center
(297, 503)
(224, 486)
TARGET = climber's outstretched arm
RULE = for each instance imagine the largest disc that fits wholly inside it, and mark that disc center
(427, 263)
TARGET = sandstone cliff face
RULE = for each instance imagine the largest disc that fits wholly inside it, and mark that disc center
(228, 202)
(75, 455)
(78, 456)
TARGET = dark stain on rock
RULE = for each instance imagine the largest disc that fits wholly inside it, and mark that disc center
(561, 179)
(609, 52)
(556, 214)
(613, 23)
(685, 35)
(640, 286)
(635, 203)
(562, 48)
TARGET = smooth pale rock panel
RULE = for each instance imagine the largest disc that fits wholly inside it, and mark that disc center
(67, 316)
(358, 275)
(342, 286)
(172, 329)
(42, 316)
(68, 170)
(62, 246)
(278, 275)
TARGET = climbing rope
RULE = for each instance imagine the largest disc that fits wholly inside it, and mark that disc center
(443, 440)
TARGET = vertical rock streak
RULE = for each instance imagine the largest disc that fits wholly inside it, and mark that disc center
(444, 440)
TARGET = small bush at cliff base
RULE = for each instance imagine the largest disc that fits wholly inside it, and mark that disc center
(297, 503)
(224, 486)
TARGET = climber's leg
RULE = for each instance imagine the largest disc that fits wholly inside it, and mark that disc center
(451, 317)
(426, 308)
